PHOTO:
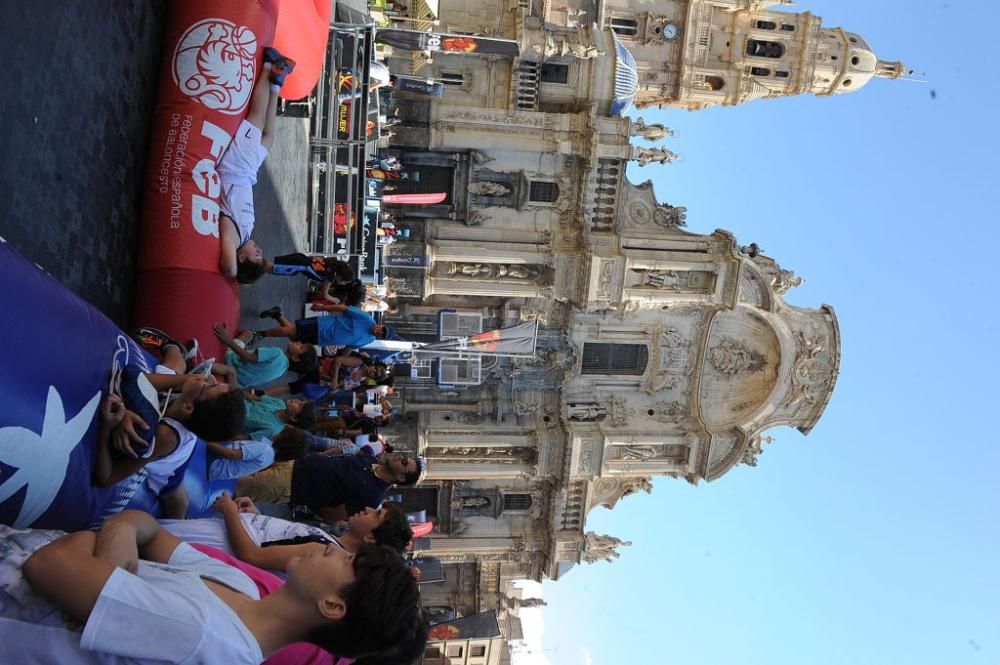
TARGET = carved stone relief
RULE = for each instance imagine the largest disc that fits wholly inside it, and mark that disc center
(517, 272)
(669, 280)
(672, 358)
(481, 454)
(813, 373)
(587, 412)
(731, 357)
(669, 412)
(670, 217)
(619, 412)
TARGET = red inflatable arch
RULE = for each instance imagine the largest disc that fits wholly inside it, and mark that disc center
(212, 53)
(302, 33)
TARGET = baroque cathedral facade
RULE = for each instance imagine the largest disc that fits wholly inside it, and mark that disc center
(662, 351)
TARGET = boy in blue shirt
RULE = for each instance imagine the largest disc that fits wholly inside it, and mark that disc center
(345, 326)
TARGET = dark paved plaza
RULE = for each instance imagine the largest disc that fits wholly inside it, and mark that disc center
(81, 80)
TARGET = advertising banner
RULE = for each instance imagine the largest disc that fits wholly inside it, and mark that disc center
(477, 626)
(419, 86)
(401, 261)
(415, 40)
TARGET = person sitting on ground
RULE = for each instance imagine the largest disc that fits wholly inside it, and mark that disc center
(272, 484)
(328, 270)
(257, 366)
(349, 293)
(323, 379)
(267, 416)
(195, 609)
(351, 422)
(203, 408)
(240, 256)
(345, 326)
(253, 537)
(238, 458)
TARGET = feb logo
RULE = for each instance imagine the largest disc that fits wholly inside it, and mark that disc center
(215, 63)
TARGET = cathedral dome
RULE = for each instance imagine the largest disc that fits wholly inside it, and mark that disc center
(860, 65)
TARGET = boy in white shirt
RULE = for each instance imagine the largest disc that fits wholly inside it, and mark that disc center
(134, 609)
(241, 257)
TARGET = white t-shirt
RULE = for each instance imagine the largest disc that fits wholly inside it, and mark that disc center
(160, 470)
(260, 528)
(163, 614)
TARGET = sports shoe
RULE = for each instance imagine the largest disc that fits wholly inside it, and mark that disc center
(281, 68)
(255, 337)
(154, 339)
(272, 54)
(273, 313)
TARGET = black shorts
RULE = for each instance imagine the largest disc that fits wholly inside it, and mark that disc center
(306, 331)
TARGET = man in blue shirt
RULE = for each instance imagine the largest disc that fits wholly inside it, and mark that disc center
(345, 326)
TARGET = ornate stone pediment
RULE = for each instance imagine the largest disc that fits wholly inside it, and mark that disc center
(814, 370)
(671, 359)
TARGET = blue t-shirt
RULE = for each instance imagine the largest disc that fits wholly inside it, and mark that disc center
(262, 420)
(320, 481)
(271, 364)
(351, 328)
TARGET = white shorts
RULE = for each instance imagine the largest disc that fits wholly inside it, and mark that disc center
(238, 173)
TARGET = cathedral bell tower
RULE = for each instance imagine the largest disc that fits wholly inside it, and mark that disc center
(727, 52)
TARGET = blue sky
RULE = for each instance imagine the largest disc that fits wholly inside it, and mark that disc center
(874, 539)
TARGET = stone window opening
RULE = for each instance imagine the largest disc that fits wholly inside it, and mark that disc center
(555, 73)
(760, 48)
(541, 191)
(614, 359)
(452, 78)
(627, 27)
(766, 25)
(781, 74)
(788, 27)
(516, 502)
(760, 71)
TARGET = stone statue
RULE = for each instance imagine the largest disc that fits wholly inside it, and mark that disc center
(518, 271)
(514, 603)
(635, 486)
(479, 157)
(471, 269)
(785, 280)
(587, 412)
(474, 502)
(646, 156)
(601, 548)
(639, 453)
(651, 132)
(489, 188)
(670, 217)
(585, 52)
(752, 250)
(661, 279)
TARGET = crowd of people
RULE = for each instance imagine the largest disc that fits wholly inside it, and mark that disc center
(305, 563)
